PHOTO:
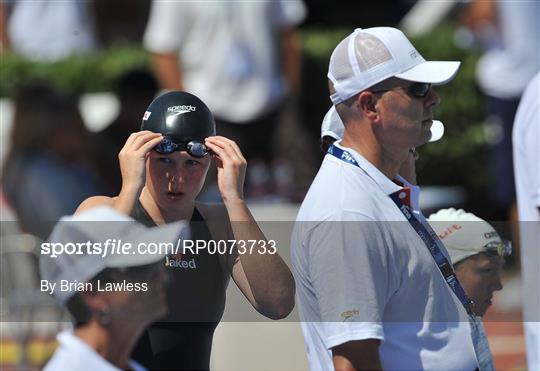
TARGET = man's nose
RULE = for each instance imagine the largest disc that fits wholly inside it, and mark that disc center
(497, 286)
(432, 98)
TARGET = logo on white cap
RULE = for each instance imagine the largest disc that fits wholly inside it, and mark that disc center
(413, 54)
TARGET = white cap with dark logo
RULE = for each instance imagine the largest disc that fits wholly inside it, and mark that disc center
(464, 234)
(369, 56)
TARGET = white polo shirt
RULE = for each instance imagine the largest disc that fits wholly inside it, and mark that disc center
(76, 355)
(228, 50)
(362, 272)
(50, 30)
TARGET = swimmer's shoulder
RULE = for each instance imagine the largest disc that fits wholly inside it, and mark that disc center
(95, 201)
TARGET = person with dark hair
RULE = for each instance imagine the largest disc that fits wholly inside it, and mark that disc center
(163, 170)
(107, 321)
(134, 89)
(48, 170)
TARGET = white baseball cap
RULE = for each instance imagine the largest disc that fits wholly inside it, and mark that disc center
(464, 234)
(369, 56)
(97, 225)
(332, 126)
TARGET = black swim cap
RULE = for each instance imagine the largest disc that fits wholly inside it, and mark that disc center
(180, 116)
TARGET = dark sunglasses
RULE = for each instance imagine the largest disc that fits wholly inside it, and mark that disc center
(194, 148)
(416, 89)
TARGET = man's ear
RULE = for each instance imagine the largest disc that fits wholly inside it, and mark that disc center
(366, 103)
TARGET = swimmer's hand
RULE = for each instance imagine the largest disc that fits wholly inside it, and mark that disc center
(231, 166)
(133, 156)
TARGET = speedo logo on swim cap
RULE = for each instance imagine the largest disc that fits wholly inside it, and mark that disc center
(181, 109)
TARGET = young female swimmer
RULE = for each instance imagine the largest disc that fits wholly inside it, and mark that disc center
(163, 170)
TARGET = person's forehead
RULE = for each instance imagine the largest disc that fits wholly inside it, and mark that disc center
(391, 82)
(483, 258)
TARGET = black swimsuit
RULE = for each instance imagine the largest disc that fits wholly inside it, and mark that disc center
(182, 340)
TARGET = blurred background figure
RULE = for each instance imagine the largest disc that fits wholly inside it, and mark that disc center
(47, 30)
(135, 89)
(120, 22)
(477, 253)
(526, 141)
(512, 40)
(107, 323)
(244, 60)
(48, 170)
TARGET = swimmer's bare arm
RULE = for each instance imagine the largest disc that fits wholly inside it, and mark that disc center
(264, 279)
(132, 160)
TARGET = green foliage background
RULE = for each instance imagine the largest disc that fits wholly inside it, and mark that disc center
(460, 158)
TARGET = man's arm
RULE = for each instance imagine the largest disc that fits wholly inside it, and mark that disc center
(4, 39)
(167, 26)
(352, 276)
(167, 70)
(357, 355)
(291, 58)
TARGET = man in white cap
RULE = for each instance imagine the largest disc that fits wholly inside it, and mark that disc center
(99, 266)
(374, 293)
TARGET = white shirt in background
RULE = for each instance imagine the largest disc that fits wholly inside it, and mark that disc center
(73, 354)
(46, 30)
(227, 50)
(504, 72)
